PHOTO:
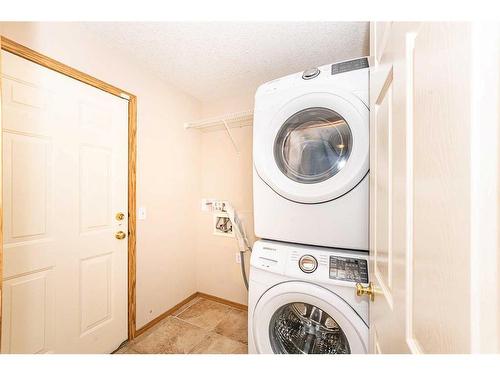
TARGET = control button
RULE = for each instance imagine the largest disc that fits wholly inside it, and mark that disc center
(308, 263)
(310, 73)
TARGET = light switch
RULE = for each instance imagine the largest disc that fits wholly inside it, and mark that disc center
(141, 213)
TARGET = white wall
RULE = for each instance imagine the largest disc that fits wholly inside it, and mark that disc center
(168, 168)
(224, 175)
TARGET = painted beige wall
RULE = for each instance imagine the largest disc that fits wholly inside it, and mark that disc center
(168, 159)
(166, 184)
(224, 175)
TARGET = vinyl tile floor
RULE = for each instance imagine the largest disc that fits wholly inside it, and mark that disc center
(201, 326)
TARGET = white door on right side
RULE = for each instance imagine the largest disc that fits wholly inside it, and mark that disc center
(421, 98)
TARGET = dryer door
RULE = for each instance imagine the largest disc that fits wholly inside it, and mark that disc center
(302, 318)
(316, 148)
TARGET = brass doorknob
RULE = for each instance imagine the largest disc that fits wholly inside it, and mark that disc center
(365, 290)
(120, 216)
(120, 235)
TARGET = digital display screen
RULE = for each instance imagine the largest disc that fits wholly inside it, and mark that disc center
(348, 269)
(347, 66)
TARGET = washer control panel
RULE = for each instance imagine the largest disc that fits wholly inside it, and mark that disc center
(348, 269)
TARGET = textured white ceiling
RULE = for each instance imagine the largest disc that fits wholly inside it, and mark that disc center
(216, 60)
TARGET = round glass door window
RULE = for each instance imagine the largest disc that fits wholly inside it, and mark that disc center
(313, 145)
(301, 328)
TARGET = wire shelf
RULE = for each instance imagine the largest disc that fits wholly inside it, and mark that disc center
(233, 120)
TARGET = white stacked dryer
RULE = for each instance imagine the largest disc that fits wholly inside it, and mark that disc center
(311, 157)
(310, 186)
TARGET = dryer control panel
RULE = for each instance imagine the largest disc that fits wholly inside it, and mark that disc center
(347, 66)
(348, 269)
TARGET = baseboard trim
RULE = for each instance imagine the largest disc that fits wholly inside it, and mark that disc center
(169, 312)
(236, 305)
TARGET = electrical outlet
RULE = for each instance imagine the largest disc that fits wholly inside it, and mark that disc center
(238, 258)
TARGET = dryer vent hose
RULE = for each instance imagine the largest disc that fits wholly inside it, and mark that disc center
(241, 237)
(239, 231)
(243, 271)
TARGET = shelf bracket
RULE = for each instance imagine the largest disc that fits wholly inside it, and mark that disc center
(231, 137)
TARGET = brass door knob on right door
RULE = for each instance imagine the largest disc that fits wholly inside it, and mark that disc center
(120, 235)
(365, 290)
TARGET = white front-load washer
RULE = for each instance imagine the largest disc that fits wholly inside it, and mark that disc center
(302, 300)
(311, 157)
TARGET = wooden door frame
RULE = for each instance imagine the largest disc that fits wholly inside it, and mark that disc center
(47, 62)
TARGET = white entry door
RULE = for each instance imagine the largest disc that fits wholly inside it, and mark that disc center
(434, 96)
(64, 182)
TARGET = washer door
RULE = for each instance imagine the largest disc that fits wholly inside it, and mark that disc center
(303, 318)
(316, 148)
